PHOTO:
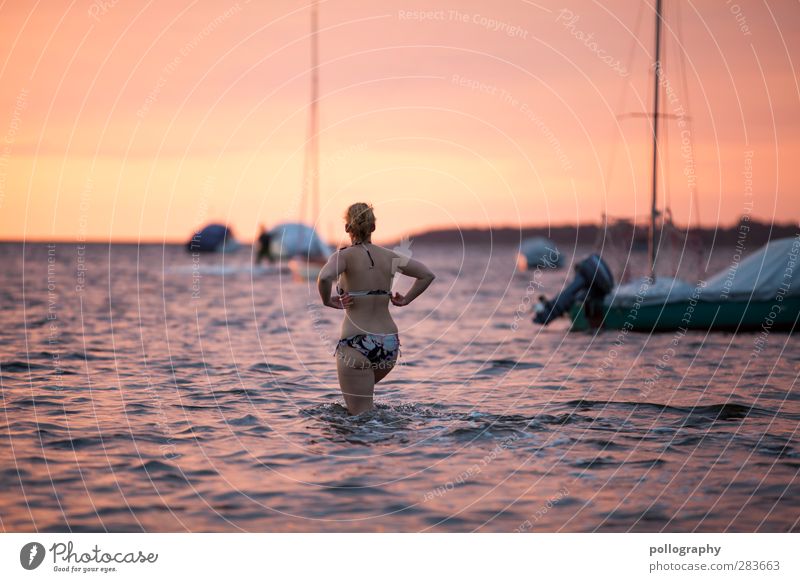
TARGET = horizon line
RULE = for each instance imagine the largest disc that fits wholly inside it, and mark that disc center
(182, 241)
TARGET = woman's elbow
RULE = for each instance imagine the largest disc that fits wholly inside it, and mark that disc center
(326, 277)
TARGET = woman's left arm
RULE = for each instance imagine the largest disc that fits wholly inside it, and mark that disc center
(335, 266)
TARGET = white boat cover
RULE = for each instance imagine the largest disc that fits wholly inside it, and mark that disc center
(664, 290)
(541, 252)
(293, 239)
(772, 270)
(761, 276)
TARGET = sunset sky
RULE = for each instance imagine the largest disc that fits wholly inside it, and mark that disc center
(143, 120)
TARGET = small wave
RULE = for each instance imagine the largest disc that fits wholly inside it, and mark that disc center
(16, 366)
(40, 402)
(159, 470)
(154, 466)
(713, 412)
(415, 421)
(503, 364)
(85, 356)
(612, 463)
(247, 420)
(265, 367)
(76, 443)
(138, 408)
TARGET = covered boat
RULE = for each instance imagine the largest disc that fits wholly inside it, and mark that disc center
(294, 239)
(761, 292)
(213, 238)
(539, 253)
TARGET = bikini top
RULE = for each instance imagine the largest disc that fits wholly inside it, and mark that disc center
(363, 293)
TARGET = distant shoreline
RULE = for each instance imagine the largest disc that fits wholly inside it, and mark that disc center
(754, 232)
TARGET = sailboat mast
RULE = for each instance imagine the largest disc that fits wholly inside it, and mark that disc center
(314, 117)
(651, 241)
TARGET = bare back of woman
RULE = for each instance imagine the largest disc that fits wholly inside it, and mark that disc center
(369, 343)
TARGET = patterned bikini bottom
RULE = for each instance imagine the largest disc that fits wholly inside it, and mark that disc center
(377, 348)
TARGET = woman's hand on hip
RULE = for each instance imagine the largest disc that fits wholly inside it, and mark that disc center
(340, 301)
(399, 300)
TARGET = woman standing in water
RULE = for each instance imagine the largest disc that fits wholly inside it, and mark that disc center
(369, 344)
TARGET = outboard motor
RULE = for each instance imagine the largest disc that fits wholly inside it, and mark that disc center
(593, 280)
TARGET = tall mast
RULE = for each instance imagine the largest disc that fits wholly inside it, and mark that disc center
(651, 241)
(314, 118)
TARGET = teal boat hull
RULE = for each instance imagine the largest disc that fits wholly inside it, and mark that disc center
(726, 316)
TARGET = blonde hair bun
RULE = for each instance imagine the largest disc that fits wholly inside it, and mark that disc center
(359, 221)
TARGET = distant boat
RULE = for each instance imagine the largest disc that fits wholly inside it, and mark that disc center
(312, 253)
(539, 253)
(759, 294)
(213, 238)
(755, 295)
(301, 247)
(292, 239)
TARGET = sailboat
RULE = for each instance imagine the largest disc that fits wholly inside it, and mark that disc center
(760, 293)
(307, 251)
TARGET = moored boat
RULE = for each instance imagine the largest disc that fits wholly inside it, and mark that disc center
(760, 293)
(213, 238)
(539, 253)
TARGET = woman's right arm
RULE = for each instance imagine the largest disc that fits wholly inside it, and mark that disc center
(423, 275)
(330, 272)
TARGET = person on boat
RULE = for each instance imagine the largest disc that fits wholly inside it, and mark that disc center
(264, 240)
(369, 343)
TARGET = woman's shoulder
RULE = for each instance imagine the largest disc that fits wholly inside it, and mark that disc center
(384, 250)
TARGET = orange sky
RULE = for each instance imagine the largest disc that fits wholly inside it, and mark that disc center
(142, 120)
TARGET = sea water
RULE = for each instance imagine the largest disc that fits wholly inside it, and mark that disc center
(146, 389)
